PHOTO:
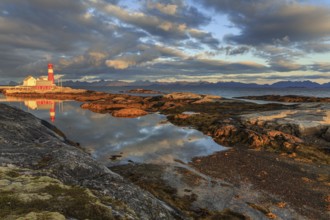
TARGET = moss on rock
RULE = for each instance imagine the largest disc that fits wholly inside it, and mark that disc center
(26, 195)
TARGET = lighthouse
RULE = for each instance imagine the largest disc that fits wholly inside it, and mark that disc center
(51, 73)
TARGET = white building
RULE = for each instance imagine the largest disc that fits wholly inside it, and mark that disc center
(30, 81)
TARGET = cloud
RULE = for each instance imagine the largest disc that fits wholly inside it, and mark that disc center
(315, 47)
(119, 64)
(125, 61)
(203, 66)
(279, 32)
(152, 24)
(321, 67)
(144, 55)
(93, 39)
(236, 50)
(265, 21)
(94, 36)
(168, 9)
(283, 65)
(156, 25)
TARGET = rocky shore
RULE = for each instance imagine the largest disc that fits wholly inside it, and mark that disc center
(275, 148)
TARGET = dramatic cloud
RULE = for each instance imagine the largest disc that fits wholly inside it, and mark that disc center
(281, 31)
(266, 21)
(174, 29)
(162, 39)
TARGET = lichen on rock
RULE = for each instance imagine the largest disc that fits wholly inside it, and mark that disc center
(28, 194)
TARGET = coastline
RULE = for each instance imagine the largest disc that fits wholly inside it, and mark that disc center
(235, 124)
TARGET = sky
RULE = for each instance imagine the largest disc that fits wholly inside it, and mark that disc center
(252, 41)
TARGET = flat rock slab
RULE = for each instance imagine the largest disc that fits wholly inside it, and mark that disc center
(308, 117)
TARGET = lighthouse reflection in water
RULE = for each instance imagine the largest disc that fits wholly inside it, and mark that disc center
(43, 104)
(38, 104)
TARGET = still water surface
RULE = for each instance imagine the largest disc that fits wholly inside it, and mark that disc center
(148, 139)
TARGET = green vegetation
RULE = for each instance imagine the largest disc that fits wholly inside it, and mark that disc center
(41, 197)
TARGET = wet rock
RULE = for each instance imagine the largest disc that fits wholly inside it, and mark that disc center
(276, 176)
(129, 113)
(199, 196)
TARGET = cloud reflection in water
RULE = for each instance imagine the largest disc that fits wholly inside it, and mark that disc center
(145, 139)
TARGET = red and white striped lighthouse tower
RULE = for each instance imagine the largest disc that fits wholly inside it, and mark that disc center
(51, 73)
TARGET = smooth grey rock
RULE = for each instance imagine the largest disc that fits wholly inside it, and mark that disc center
(26, 141)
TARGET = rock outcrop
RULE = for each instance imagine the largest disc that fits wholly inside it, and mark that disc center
(296, 131)
(129, 113)
(182, 95)
(143, 91)
(44, 169)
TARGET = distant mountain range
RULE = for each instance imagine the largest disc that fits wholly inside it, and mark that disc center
(118, 83)
(281, 84)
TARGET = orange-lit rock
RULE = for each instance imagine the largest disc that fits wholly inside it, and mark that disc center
(129, 113)
(182, 95)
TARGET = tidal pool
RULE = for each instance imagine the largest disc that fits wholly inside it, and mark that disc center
(114, 141)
